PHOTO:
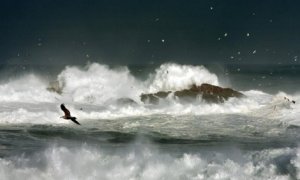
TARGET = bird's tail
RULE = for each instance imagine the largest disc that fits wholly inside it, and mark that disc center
(74, 120)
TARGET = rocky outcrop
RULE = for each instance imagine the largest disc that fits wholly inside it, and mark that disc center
(208, 92)
(126, 101)
(55, 87)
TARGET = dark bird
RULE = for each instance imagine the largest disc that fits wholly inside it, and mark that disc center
(68, 114)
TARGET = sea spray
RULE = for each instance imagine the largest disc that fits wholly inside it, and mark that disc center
(254, 137)
(28, 88)
(98, 84)
(92, 92)
(146, 162)
(172, 77)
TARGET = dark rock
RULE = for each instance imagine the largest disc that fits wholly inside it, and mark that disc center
(209, 93)
(154, 98)
(55, 87)
(126, 101)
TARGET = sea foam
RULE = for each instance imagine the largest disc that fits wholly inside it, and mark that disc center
(28, 88)
(97, 83)
(91, 93)
(145, 163)
(172, 77)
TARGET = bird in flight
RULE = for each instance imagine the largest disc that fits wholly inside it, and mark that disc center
(68, 114)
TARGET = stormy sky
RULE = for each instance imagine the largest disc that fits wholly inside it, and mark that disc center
(149, 31)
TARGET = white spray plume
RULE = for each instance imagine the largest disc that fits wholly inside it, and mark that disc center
(172, 76)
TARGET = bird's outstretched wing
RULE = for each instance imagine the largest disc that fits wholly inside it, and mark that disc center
(74, 120)
(65, 110)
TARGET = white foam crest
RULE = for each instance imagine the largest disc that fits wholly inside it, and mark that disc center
(172, 76)
(290, 112)
(141, 163)
(24, 116)
(98, 83)
(28, 88)
(296, 163)
(255, 104)
(274, 106)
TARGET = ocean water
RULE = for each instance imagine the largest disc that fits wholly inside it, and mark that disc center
(254, 137)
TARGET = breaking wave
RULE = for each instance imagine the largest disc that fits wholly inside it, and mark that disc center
(93, 92)
(182, 140)
(172, 77)
(28, 88)
(98, 83)
(144, 162)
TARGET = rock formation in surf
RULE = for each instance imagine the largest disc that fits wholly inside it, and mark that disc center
(208, 92)
(126, 101)
(54, 86)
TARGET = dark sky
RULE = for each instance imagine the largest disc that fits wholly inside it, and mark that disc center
(149, 31)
